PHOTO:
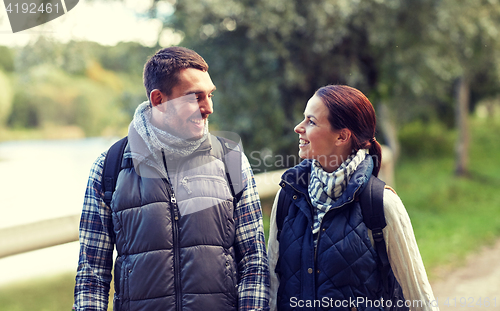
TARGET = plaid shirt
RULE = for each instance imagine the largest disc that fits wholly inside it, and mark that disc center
(97, 243)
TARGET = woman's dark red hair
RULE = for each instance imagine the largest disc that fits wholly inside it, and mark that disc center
(349, 108)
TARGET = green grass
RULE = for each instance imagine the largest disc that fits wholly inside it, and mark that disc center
(45, 294)
(451, 216)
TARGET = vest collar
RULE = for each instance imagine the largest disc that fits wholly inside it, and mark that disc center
(141, 155)
(297, 180)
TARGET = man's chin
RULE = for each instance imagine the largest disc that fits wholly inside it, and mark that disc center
(194, 136)
(187, 135)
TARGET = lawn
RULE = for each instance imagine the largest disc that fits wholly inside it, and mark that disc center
(454, 216)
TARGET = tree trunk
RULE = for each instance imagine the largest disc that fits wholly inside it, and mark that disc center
(389, 130)
(462, 114)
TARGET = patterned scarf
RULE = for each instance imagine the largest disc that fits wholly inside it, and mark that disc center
(325, 188)
(158, 140)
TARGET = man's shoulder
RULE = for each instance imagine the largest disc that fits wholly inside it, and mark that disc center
(99, 162)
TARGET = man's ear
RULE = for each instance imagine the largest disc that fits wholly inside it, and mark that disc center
(156, 97)
(344, 137)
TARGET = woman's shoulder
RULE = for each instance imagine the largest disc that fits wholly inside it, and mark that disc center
(390, 196)
(393, 206)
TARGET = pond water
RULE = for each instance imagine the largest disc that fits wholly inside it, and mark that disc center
(40, 180)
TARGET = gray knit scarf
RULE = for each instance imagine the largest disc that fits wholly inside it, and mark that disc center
(159, 141)
(325, 188)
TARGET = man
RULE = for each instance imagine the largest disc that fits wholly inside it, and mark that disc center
(184, 239)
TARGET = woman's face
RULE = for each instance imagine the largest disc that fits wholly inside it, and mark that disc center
(317, 139)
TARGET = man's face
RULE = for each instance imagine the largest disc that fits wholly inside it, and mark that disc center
(188, 106)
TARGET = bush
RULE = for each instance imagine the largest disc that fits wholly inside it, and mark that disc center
(6, 59)
(6, 95)
(66, 100)
(419, 139)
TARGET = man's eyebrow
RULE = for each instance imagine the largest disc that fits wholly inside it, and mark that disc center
(198, 91)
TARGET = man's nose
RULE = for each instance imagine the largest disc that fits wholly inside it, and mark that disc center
(206, 105)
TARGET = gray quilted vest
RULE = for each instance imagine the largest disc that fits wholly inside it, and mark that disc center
(175, 244)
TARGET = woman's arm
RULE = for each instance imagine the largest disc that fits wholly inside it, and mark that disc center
(273, 247)
(404, 255)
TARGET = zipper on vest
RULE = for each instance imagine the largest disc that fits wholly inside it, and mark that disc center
(305, 195)
(177, 276)
(174, 212)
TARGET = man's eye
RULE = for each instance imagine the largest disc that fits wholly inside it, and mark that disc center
(211, 95)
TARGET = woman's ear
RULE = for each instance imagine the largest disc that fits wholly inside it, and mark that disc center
(157, 98)
(344, 137)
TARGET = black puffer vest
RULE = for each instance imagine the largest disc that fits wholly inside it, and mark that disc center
(175, 244)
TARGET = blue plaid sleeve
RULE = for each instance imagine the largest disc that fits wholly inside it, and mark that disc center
(95, 262)
(253, 289)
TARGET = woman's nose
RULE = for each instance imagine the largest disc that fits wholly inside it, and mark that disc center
(299, 128)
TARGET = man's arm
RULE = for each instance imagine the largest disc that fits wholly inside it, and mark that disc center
(95, 262)
(253, 289)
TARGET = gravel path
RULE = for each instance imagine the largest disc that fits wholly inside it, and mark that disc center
(474, 286)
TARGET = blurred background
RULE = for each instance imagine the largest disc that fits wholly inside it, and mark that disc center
(431, 68)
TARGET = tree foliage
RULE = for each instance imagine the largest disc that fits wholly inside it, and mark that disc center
(268, 57)
(78, 83)
(6, 96)
(6, 59)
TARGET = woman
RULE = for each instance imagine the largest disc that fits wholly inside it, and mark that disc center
(324, 257)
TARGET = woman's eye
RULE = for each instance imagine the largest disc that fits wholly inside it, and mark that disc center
(311, 122)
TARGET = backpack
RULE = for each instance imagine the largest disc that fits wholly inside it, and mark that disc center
(371, 200)
(231, 158)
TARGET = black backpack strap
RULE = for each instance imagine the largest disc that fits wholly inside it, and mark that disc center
(284, 202)
(112, 165)
(231, 156)
(372, 208)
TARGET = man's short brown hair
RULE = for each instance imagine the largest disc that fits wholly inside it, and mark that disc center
(162, 69)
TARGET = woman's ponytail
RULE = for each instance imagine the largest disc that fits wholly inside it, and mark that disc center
(375, 151)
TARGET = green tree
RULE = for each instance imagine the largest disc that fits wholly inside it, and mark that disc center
(6, 97)
(465, 36)
(128, 57)
(270, 56)
(6, 59)
(71, 87)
